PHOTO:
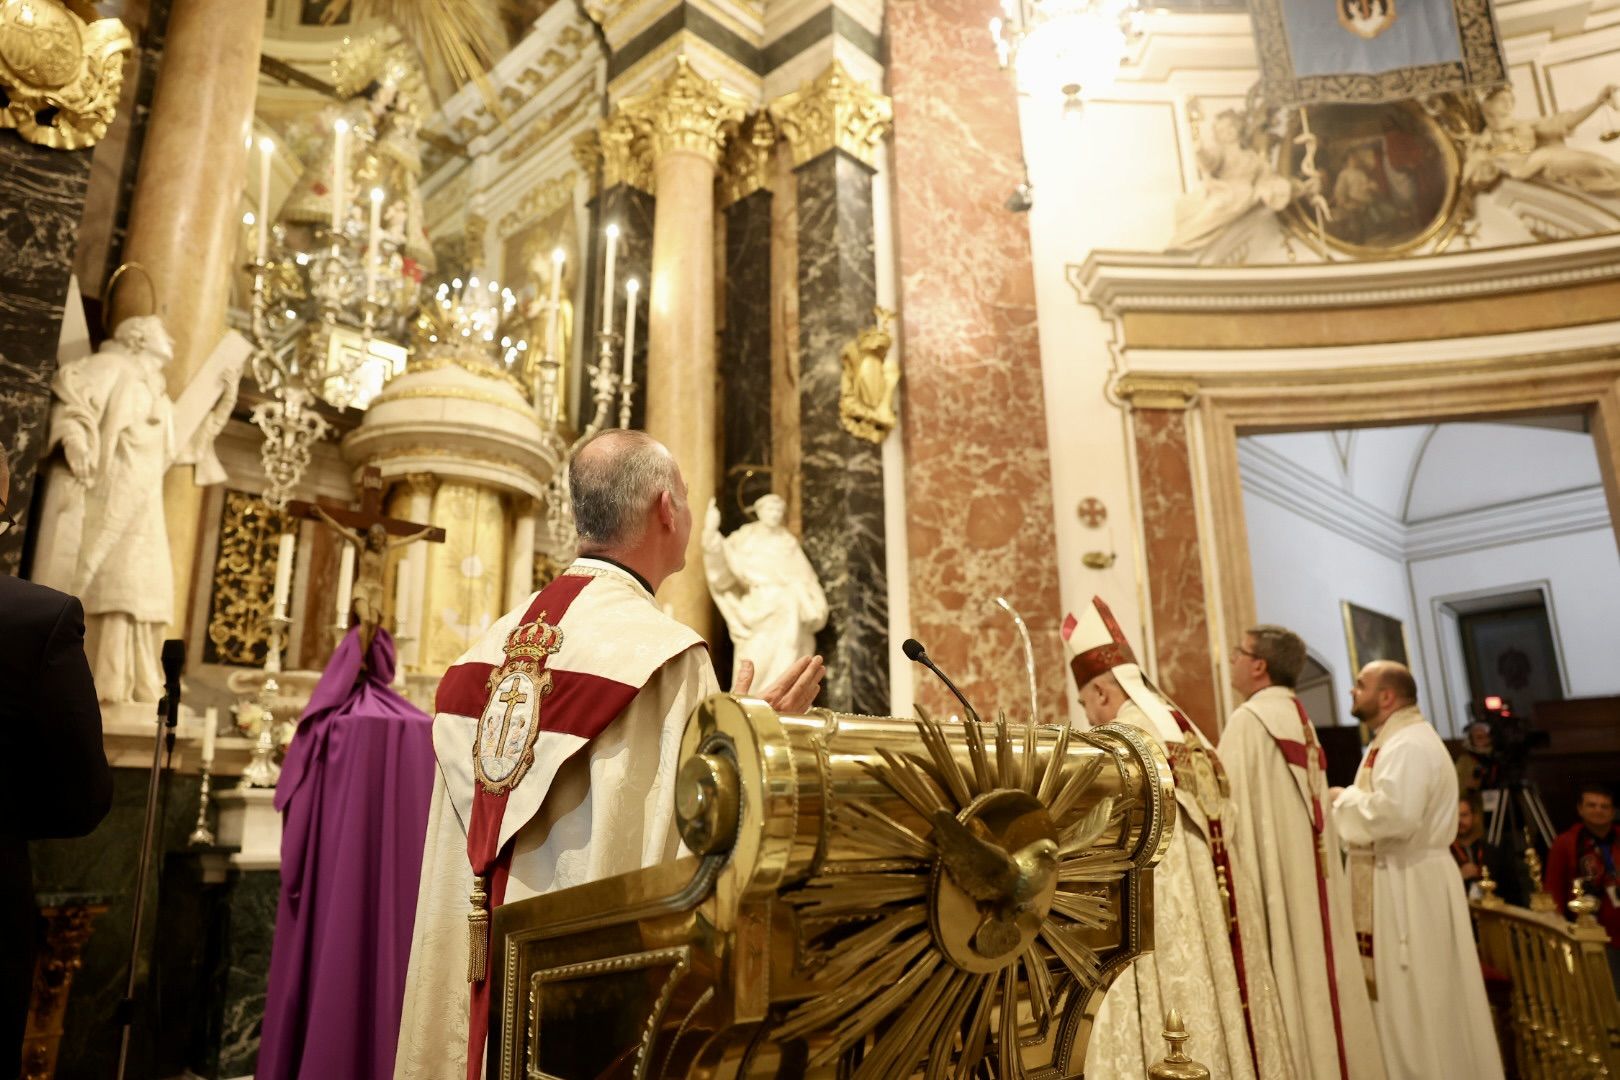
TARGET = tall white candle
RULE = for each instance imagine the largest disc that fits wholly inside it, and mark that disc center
(284, 563)
(557, 258)
(632, 289)
(402, 597)
(266, 150)
(371, 242)
(345, 572)
(607, 279)
(340, 173)
(210, 732)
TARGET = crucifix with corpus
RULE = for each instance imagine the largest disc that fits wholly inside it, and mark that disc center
(373, 535)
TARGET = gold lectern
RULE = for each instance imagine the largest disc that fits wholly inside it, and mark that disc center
(868, 898)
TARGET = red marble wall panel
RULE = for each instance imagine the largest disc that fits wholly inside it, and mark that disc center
(978, 478)
(1175, 575)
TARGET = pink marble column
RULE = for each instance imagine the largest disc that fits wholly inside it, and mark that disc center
(978, 480)
(1175, 574)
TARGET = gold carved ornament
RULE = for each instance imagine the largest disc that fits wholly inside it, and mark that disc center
(834, 111)
(61, 75)
(244, 580)
(684, 112)
(869, 380)
(1156, 391)
(746, 166)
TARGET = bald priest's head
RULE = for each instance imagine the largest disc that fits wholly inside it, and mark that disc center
(630, 503)
(1382, 688)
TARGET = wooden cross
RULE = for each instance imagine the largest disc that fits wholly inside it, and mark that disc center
(512, 698)
(370, 511)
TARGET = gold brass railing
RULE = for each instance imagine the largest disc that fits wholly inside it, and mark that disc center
(1563, 1016)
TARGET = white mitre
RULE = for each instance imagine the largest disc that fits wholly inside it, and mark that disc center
(1097, 646)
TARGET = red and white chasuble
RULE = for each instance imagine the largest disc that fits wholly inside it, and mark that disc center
(557, 736)
(1209, 957)
(1285, 835)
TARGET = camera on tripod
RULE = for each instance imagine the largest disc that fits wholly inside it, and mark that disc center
(1512, 801)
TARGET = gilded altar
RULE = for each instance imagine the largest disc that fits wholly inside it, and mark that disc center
(866, 897)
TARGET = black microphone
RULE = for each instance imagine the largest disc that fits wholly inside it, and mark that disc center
(174, 661)
(918, 655)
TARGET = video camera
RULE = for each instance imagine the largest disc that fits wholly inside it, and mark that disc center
(1512, 741)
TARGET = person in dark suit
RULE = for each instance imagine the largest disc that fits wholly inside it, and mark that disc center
(54, 778)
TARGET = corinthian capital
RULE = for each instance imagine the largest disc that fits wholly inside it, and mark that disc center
(834, 111)
(684, 112)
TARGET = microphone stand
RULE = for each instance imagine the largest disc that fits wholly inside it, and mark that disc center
(914, 651)
(168, 714)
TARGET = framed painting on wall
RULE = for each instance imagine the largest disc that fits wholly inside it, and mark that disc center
(1372, 635)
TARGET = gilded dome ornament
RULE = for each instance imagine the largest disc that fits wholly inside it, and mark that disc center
(61, 75)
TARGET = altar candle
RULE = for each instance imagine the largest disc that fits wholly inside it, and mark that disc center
(267, 148)
(284, 563)
(607, 280)
(340, 173)
(210, 731)
(557, 258)
(345, 572)
(632, 289)
(371, 242)
(402, 596)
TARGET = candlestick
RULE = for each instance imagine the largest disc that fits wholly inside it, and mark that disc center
(210, 730)
(632, 289)
(607, 279)
(284, 564)
(202, 835)
(266, 149)
(340, 174)
(371, 242)
(345, 572)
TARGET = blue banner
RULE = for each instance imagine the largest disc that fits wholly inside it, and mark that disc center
(1374, 51)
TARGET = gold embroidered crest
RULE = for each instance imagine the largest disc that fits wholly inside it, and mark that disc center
(503, 747)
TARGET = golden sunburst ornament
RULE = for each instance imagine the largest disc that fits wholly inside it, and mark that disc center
(928, 952)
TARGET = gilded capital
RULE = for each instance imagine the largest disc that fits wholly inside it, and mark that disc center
(626, 152)
(421, 483)
(834, 111)
(587, 150)
(746, 166)
(685, 112)
(1155, 391)
(54, 65)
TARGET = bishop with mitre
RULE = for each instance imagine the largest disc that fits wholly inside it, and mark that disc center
(1209, 946)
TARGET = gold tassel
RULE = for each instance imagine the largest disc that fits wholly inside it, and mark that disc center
(478, 933)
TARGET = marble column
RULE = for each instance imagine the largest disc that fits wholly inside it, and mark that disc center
(520, 550)
(745, 336)
(978, 472)
(1175, 572)
(834, 126)
(419, 507)
(684, 119)
(41, 198)
(184, 216)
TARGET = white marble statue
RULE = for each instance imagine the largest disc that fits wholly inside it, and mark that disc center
(1237, 178)
(102, 533)
(1535, 150)
(765, 589)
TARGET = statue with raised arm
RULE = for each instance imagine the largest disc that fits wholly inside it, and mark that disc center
(371, 550)
(1535, 150)
(765, 589)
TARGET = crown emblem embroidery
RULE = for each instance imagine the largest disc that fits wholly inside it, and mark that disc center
(533, 640)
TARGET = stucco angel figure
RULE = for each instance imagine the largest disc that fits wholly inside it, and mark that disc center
(1535, 150)
(765, 589)
(102, 532)
(1237, 178)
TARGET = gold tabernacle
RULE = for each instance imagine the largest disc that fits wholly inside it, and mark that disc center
(873, 898)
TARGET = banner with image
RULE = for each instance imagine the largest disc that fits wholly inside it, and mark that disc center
(1374, 51)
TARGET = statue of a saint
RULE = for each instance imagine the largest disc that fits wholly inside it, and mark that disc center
(765, 588)
(1237, 178)
(371, 549)
(1535, 150)
(102, 533)
(868, 380)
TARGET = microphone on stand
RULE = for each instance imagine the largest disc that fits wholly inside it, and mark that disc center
(918, 655)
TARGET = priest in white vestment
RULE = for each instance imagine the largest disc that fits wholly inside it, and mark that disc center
(1285, 835)
(1411, 918)
(1209, 948)
(557, 736)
